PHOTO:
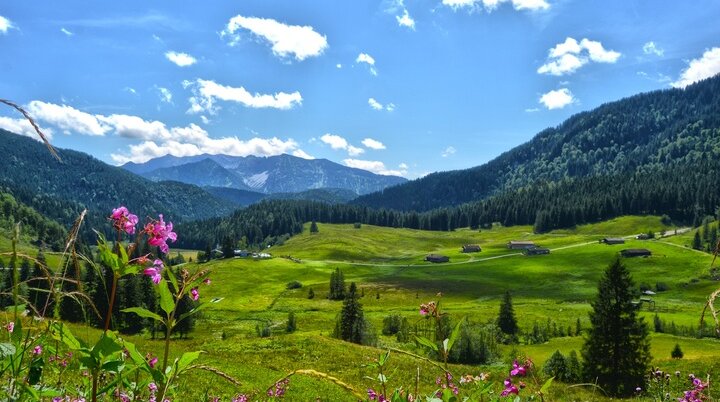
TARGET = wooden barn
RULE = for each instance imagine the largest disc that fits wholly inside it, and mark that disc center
(536, 251)
(437, 258)
(612, 240)
(635, 252)
(471, 248)
(520, 244)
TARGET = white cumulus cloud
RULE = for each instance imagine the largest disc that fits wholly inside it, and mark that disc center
(569, 56)
(698, 69)
(375, 104)
(302, 154)
(165, 94)
(405, 20)
(355, 151)
(652, 48)
(490, 5)
(180, 59)
(338, 142)
(23, 127)
(5, 24)
(67, 118)
(376, 167)
(379, 106)
(373, 144)
(369, 60)
(448, 151)
(66, 32)
(335, 141)
(206, 93)
(297, 41)
(557, 99)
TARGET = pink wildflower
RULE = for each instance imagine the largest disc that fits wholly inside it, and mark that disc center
(206, 281)
(152, 387)
(124, 220)
(159, 233)
(10, 327)
(240, 398)
(518, 370)
(152, 362)
(37, 350)
(194, 294)
(155, 272)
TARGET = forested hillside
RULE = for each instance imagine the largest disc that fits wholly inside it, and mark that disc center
(39, 180)
(686, 193)
(637, 134)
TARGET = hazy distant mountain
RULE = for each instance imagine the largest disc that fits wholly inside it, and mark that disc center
(273, 174)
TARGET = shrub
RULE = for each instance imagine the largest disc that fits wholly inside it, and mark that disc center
(556, 366)
(403, 334)
(357, 225)
(291, 323)
(677, 353)
(293, 285)
(263, 329)
(661, 287)
(391, 324)
(311, 294)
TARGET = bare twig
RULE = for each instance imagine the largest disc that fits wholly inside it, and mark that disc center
(35, 126)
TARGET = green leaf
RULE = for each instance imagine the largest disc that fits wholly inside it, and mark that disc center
(454, 336)
(547, 384)
(144, 313)
(123, 255)
(186, 359)
(106, 346)
(114, 366)
(6, 350)
(167, 303)
(135, 355)
(36, 369)
(173, 280)
(384, 358)
(427, 342)
(61, 332)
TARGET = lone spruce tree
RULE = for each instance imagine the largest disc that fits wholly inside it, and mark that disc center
(506, 318)
(617, 350)
(351, 327)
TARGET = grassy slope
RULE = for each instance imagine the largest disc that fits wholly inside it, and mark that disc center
(389, 262)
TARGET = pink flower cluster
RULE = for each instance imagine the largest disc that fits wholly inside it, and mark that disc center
(155, 271)
(68, 399)
(278, 391)
(447, 383)
(374, 396)
(518, 370)
(159, 233)
(240, 398)
(696, 393)
(123, 220)
(428, 309)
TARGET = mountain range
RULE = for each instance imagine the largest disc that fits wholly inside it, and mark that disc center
(266, 175)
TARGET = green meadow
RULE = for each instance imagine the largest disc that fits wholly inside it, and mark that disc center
(389, 268)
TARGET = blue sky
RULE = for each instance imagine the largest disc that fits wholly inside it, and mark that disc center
(396, 87)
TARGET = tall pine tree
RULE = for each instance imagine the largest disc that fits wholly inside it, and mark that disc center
(506, 318)
(39, 292)
(617, 350)
(351, 326)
